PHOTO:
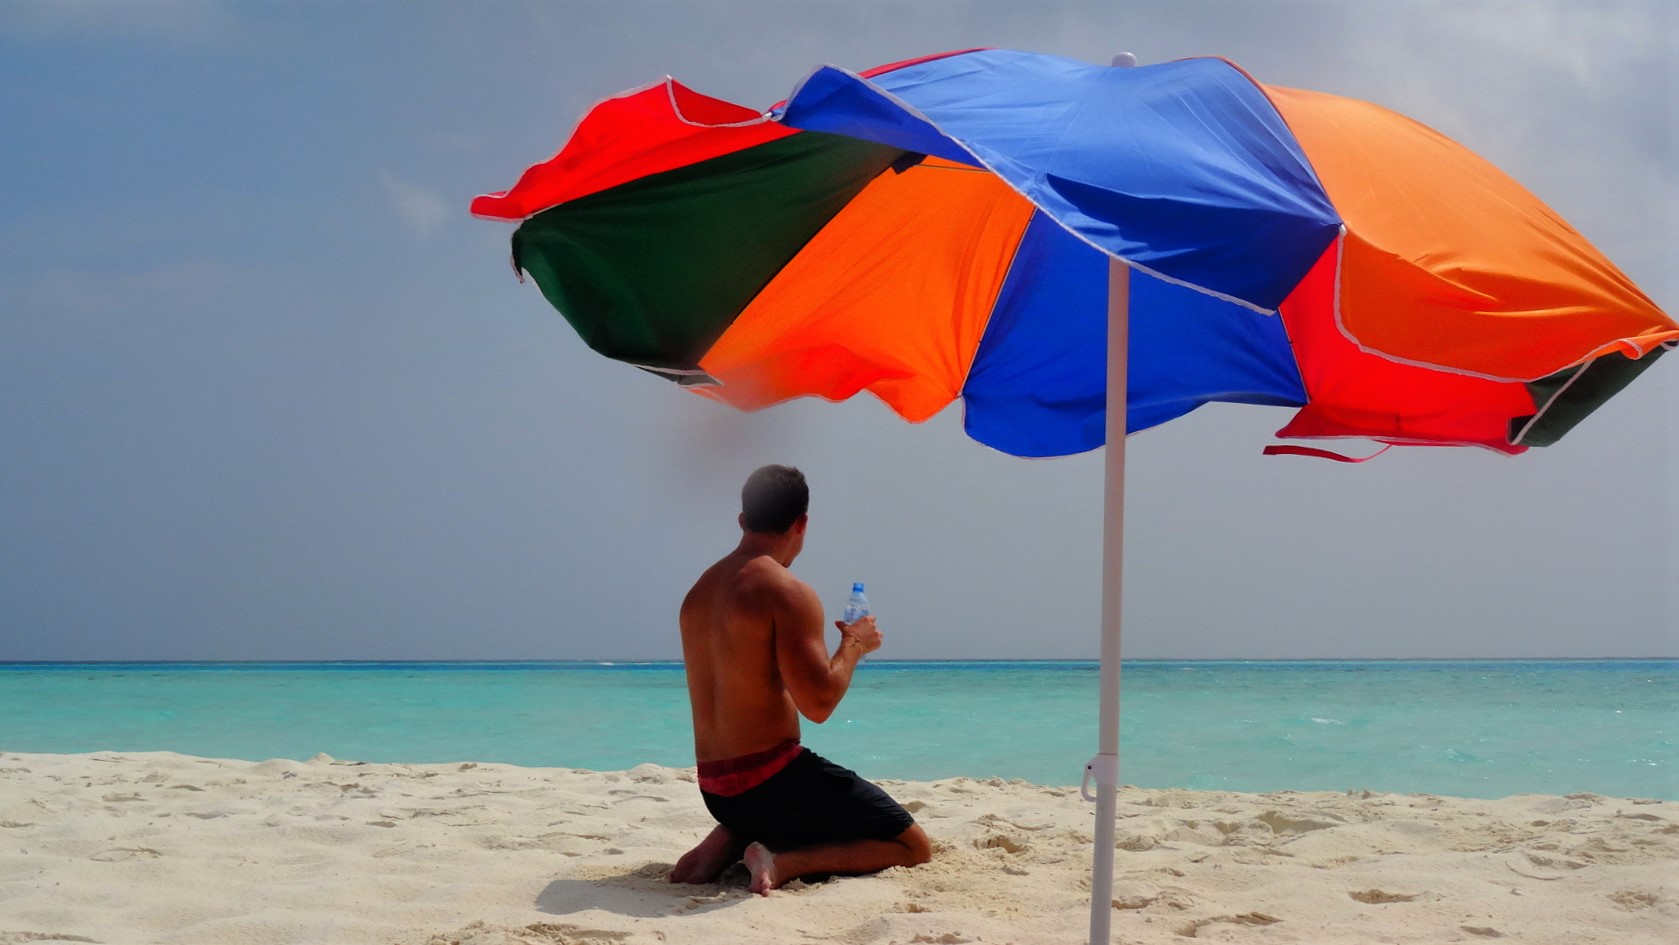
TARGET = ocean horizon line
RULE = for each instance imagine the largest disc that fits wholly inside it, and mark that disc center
(921, 661)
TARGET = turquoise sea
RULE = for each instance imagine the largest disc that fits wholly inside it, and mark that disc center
(1469, 728)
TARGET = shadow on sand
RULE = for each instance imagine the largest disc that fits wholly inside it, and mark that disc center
(643, 892)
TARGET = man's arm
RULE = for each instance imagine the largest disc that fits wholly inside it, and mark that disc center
(816, 680)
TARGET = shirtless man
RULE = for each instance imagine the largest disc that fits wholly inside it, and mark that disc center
(752, 641)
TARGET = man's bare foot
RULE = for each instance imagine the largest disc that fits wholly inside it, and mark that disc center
(704, 863)
(760, 862)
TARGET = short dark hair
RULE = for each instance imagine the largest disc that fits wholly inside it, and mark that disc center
(773, 499)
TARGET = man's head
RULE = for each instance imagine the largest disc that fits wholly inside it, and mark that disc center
(773, 499)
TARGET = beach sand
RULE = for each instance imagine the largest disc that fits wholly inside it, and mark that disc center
(160, 847)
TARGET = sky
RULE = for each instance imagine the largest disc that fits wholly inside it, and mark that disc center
(268, 391)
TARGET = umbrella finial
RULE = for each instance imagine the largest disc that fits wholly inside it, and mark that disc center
(1125, 60)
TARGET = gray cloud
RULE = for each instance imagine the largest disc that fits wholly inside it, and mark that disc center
(421, 209)
(175, 21)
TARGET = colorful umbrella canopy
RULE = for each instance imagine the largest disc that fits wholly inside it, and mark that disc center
(940, 228)
(990, 225)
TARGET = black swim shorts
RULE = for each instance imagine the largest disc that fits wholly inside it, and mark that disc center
(810, 801)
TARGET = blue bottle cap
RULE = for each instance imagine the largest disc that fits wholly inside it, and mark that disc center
(857, 587)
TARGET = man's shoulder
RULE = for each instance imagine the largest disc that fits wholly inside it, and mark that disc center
(767, 576)
(765, 571)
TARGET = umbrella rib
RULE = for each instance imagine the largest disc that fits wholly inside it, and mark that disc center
(676, 109)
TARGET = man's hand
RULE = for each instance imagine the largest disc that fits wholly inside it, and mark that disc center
(863, 631)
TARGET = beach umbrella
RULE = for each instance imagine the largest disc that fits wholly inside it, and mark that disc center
(1077, 252)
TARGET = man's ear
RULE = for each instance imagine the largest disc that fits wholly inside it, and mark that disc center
(801, 522)
(741, 518)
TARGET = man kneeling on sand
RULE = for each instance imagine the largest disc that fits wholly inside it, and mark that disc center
(752, 642)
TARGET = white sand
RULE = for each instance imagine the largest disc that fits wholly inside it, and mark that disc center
(159, 847)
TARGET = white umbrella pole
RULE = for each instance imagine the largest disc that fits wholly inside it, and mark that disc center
(1104, 768)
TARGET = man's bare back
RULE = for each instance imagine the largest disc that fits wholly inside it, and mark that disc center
(756, 659)
(752, 643)
(739, 703)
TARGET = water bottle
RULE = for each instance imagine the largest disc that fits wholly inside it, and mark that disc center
(857, 606)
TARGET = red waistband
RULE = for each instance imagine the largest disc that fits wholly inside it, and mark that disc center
(730, 776)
